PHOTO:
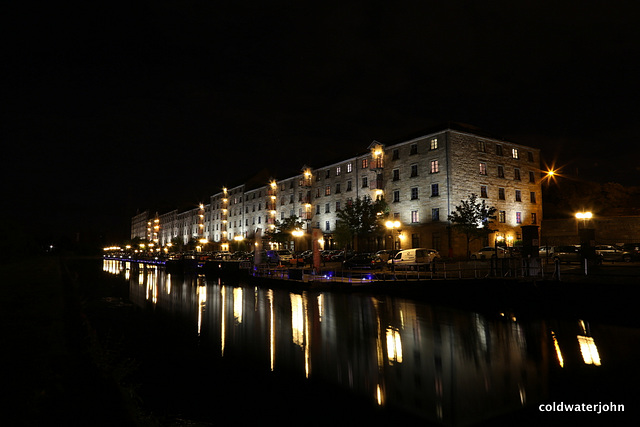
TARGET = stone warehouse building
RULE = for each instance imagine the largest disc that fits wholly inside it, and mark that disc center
(422, 180)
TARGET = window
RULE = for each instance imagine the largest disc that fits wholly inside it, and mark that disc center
(396, 154)
(327, 225)
(514, 153)
(337, 206)
(434, 166)
(435, 214)
(396, 175)
(317, 192)
(483, 168)
(414, 149)
(482, 146)
(365, 182)
(328, 173)
(338, 170)
(499, 150)
(396, 196)
(338, 188)
(349, 185)
(365, 163)
(516, 174)
(530, 156)
(501, 193)
(435, 191)
(317, 210)
(327, 190)
(532, 177)
(518, 196)
(327, 209)
(500, 171)
(518, 217)
(532, 196)
(414, 170)
(534, 218)
(349, 167)
(414, 193)
(415, 240)
(502, 216)
(414, 216)
(433, 144)
(483, 191)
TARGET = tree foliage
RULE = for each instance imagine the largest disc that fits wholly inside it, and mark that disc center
(473, 218)
(281, 233)
(361, 217)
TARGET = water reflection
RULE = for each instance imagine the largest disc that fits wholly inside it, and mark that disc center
(448, 366)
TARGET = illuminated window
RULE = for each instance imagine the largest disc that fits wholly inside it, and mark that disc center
(338, 170)
(349, 167)
(433, 144)
(414, 216)
(365, 163)
(534, 218)
(514, 153)
(434, 166)
(518, 218)
(502, 216)
(483, 168)
(327, 190)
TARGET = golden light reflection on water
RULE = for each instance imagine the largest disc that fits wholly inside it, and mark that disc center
(394, 346)
(589, 350)
(202, 304)
(237, 304)
(556, 345)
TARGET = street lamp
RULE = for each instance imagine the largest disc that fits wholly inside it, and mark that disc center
(584, 216)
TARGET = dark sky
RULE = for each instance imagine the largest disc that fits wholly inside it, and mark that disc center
(112, 106)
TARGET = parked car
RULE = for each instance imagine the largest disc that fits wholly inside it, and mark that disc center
(631, 252)
(372, 261)
(282, 256)
(386, 254)
(545, 251)
(609, 252)
(567, 254)
(413, 258)
(490, 252)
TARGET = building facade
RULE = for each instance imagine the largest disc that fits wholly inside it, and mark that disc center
(422, 180)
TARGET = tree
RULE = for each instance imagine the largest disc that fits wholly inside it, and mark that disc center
(281, 233)
(362, 218)
(473, 218)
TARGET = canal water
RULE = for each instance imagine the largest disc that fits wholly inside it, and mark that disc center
(224, 349)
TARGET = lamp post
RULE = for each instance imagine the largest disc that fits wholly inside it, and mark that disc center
(584, 216)
(391, 226)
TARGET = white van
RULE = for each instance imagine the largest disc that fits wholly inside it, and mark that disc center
(413, 259)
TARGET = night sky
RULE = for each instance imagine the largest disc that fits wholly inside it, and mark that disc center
(109, 107)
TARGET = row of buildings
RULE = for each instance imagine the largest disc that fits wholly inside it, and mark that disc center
(422, 180)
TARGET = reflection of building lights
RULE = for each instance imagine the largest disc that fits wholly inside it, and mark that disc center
(557, 347)
(589, 350)
(394, 346)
